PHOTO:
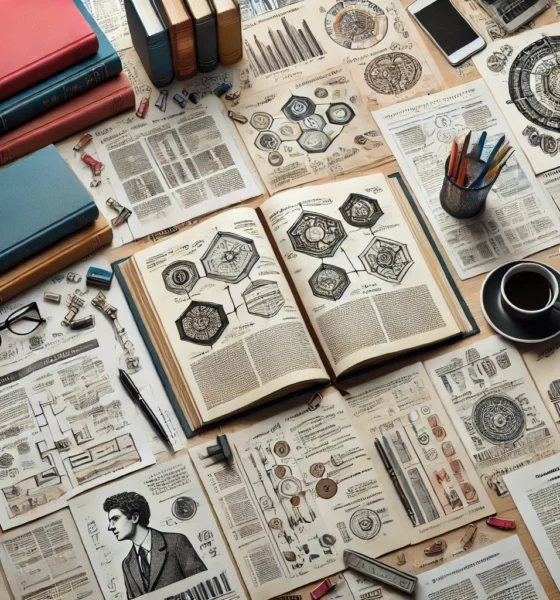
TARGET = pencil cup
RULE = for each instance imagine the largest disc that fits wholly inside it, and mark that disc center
(461, 201)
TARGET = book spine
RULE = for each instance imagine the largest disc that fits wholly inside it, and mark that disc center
(55, 95)
(49, 65)
(161, 63)
(48, 236)
(206, 44)
(42, 271)
(183, 51)
(230, 47)
(68, 125)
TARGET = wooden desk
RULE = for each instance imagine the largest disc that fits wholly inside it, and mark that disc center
(416, 561)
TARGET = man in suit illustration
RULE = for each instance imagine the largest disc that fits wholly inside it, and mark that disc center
(156, 559)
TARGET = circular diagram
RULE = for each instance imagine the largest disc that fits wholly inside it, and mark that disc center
(534, 82)
(280, 471)
(184, 508)
(281, 449)
(180, 276)
(365, 524)
(498, 419)
(229, 257)
(356, 25)
(289, 487)
(316, 234)
(326, 488)
(317, 469)
(202, 323)
(275, 159)
(393, 73)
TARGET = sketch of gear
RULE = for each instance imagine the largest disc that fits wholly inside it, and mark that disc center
(361, 211)
(229, 257)
(202, 323)
(356, 24)
(387, 259)
(316, 234)
(393, 73)
(499, 419)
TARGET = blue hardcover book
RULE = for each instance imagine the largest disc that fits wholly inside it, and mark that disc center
(151, 40)
(41, 201)
(69, 83)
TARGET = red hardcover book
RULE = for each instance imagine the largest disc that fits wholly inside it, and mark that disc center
(39, 38)
(98, 104)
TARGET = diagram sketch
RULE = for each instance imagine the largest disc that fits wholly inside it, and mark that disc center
(263, 298)
(229, 257)
(180, 277)
(329, 282)
(387, 259)
(524, 77)
(498, 419)
(282, 48)
(307, 130)
(316, 234)
(252, 8)
(356, 24)
(361, 211)
(393, 73)
(202, 323)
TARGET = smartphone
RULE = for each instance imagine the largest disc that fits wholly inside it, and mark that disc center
(448, 29)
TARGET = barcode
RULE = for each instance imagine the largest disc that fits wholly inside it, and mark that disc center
(205, 590)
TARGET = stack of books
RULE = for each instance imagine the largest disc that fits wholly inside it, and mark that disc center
(58, 74)
(49, 221)
(176, 38)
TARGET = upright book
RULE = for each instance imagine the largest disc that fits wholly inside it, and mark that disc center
(228, 27)
(317, 284)
(39, 39)
(95, 105)
(53, 259)
(42, 202)
(181, 37)
(206, 40)
(64, 85)
(151, 39)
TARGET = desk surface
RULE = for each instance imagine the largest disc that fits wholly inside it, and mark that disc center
(416, 561)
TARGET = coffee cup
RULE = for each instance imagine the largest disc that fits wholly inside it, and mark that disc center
(529, 291)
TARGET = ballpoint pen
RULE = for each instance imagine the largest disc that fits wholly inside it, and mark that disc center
(136, 396)
(394, 479)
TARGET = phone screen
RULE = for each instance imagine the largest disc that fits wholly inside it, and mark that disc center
(448, 28)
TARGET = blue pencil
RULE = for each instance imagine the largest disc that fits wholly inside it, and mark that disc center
(480, 178)
(480, 146)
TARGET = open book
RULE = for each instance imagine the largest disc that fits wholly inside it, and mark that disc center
(317, 284)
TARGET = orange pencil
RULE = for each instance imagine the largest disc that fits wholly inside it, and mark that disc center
(464, 149)
(452, 160)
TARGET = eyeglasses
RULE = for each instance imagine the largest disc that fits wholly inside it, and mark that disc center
(23, 321)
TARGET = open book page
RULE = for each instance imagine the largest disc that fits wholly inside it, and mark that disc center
(228, 313)
(518, 218)
(188, 557)
(301, 489)
(502, 570)
(358, 270)
(427, 460)
(543, 362)
(489, 395)
(47, 560)
(536, 493)
(308, 129)
(510, 69)
(377, 41)
(67, 425)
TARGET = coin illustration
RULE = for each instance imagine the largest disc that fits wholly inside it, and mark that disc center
(365, 524)
(439, 433)
(317, 469)
(280, 471)
(184, 508)
(281, 449)
(275, 523)
(326, 488)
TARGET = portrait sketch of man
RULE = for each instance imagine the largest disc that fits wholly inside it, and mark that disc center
(156, 559)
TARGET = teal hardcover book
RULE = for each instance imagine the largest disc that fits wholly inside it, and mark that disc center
(65, 85)
(41, 201)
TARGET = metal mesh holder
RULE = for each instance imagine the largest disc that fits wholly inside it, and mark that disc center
(461, 201)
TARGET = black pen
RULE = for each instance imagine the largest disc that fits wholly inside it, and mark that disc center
(135, 394)
(396, 483)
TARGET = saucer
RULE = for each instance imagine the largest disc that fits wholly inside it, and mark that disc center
(528, 332)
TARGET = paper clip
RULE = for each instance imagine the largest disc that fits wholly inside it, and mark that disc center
(124, 213)
(52, 297)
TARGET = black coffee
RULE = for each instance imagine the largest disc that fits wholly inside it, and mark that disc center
(528, 290)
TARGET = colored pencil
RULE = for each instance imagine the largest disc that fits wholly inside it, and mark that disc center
(461, 177)
(464, 149)
(481, 142)
(477, 182)
(500, 154)
(452, 160)
(497, 167)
